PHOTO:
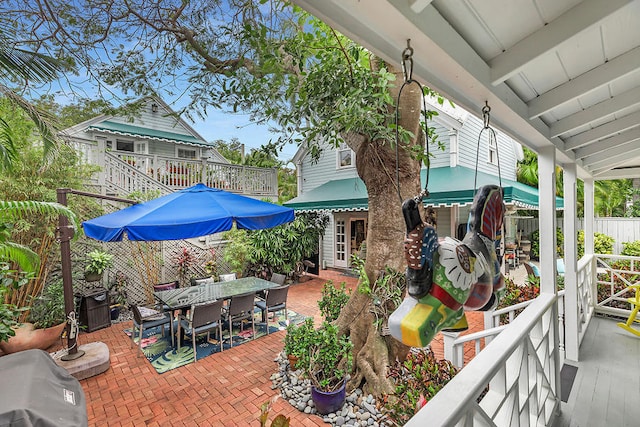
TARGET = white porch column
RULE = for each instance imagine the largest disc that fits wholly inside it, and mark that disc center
(589, 213)
(548, 253)
(547, 203)
(572, 342)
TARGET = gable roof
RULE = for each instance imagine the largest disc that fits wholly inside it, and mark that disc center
(116, 125)
(447, 187)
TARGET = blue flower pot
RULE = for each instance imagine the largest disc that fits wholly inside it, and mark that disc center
(328, 402)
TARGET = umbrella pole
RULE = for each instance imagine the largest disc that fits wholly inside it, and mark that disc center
(66, 234)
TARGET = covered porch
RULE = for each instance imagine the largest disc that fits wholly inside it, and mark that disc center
(562, 77)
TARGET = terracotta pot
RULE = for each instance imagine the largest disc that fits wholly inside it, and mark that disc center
(27, 338)
(293, 360)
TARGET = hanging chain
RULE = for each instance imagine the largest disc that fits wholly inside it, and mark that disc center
(407, 71)
(486, 118)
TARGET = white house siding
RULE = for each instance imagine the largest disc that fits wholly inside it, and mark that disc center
(468, 145)
(440, 158)
(326, 169)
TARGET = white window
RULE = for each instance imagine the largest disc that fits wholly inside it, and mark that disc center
(186, 153)
(493, 149)
(122, 145)
(346, 158)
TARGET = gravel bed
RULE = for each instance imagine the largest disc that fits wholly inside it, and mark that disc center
(359, 410)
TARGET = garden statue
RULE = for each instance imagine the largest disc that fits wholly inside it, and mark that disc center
(447, 277)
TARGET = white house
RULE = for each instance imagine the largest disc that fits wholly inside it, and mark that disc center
(156, 149)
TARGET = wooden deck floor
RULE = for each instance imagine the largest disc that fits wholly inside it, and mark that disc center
(606, 390)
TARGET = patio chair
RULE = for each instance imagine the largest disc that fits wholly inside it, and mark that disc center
(165, 286)
(228, 277)
(278, 278)
(276, 300)
(240, 308)
(203, 318)
(635, 305)
(202, 281)
(150, 319)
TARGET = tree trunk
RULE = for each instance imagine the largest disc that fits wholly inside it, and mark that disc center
(376, 165)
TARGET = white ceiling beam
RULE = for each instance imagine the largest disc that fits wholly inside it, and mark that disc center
(602, 75)
(607, 169)
(611, 156)
(419, 5)
(595, 112)
(608, 143)
(622, 173)
(572, 22)
(603, 131)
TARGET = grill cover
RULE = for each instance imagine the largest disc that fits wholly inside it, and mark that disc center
(36, 391)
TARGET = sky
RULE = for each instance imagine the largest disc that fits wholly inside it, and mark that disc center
(225, 126)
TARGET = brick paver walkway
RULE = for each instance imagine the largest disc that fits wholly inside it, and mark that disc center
(225, 389)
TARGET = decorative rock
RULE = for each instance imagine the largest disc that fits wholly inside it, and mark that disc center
(358, 411)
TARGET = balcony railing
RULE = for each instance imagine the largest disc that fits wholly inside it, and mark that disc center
(520, 364)
(180, 173)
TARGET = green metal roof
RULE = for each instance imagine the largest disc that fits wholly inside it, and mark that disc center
(132, 130)
(447, 187)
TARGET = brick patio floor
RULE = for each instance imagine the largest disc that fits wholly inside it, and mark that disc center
(224, 389)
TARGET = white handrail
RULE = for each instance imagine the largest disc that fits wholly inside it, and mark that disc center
(519, 365)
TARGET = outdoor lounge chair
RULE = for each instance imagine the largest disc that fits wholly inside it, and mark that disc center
(142, 321)
(202, 318)
(635, 307)
(275, 300)
(240, 308)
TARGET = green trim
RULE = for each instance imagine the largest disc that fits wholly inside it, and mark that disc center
(447, 186)
(138, 131)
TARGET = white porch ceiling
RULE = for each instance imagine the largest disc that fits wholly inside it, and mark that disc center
(561, 72)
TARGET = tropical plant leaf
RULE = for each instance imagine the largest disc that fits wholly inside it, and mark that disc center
(27, 259)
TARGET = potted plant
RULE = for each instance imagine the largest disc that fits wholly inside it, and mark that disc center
(297, 343)
(46, 321)
(330, 362)
(99, 261)
(118, 294)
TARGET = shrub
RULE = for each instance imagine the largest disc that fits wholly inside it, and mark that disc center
(416, 381)
(535, 243)
(602, 244)
(333, 299)
(631, 248)
(48, 308)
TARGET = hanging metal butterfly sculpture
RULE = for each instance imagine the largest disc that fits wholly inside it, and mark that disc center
(448, 277)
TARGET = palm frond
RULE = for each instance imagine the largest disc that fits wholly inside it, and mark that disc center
(14, 210)
(44, 121)
(20, 64)
(27, 259)
(8, 153)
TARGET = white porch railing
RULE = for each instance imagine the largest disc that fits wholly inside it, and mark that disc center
(521, 360)
(120, 177)
(454, 343)
(613, 276)
(181, 173)
(520, 366)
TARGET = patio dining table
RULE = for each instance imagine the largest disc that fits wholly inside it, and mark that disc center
(175, 299)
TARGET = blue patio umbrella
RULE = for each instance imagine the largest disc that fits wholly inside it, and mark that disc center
(192, 212)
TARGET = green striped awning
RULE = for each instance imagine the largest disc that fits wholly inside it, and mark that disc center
(447, 187)
(139, 131)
